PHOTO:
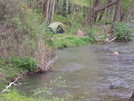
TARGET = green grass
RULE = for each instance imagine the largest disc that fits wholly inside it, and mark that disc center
(72, 41)
(16, 96)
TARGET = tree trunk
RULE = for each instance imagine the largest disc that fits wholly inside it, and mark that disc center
(122, 16)
(69, 8)
(97, 3)
(64, 12)
(52, 11)
(73, 14)
(47, 9)
(117, 11)
(87, 17)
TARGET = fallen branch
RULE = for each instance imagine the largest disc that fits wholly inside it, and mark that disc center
(108, 41)
(50, 63)
(12, 83)
(113, 39)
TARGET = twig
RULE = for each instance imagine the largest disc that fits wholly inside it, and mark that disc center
(12, 83)
(111, 86)
(51, 62)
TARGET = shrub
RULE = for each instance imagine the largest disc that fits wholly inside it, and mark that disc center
(122, 31)
(25, 63)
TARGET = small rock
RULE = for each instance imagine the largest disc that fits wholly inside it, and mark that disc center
(115, 53)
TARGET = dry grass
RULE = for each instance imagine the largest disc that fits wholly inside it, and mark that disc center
(43, 55)
(19, 44)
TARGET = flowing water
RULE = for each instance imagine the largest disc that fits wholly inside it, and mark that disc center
(88, 72)
(92, 73)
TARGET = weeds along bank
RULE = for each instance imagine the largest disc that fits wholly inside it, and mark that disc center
(24, 43)
(25, 46)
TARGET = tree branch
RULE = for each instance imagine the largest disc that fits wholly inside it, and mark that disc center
(12, 83)
(99, 8)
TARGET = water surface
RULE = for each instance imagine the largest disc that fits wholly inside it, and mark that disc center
(88, 71)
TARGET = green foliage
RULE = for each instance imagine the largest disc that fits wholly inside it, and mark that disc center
(27, 37)
(25, 63)
(86, 3)
(122, 31)
(72, 41)
(91, 35)
(1, 86)
(8, 73)
(16, 96)
(2, 62)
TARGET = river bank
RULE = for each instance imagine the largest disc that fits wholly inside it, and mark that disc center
(64, 42)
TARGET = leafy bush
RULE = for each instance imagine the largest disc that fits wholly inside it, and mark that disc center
(122, 31)
(25, 63)
(91, 35)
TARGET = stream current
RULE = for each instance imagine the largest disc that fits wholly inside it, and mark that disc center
(89, 72)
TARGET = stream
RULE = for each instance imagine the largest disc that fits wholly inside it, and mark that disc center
(89, 72)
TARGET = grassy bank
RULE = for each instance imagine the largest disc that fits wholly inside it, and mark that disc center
(16, 96)
(64, 41)
(24, 45)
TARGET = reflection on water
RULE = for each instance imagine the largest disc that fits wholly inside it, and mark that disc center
(88, 70)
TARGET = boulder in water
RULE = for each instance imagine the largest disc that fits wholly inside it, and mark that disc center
(115, 53)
